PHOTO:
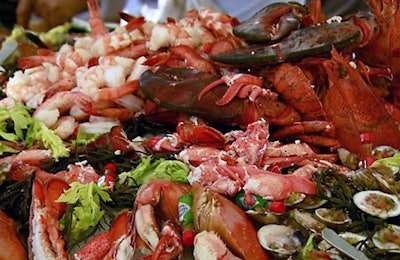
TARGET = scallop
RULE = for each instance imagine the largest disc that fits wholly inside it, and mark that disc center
(377, 203)
(279, 239)
(388, 238)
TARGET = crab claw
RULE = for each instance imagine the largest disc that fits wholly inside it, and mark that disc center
(214, 212)
(117, 242)
(310, 41)
(208, 245)
(271, 23)
(170, 245)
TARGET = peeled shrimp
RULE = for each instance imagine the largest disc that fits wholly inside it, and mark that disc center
(30, 86)
(101, 42)
(50, 111)
(111, 71)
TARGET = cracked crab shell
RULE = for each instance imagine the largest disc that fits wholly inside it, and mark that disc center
(214, 212)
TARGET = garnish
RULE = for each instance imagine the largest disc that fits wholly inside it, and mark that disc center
(17, 125)
(83, 138)
(84, 212)
(173, 170)
(40, 132)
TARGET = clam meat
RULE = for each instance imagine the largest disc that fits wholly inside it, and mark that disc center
(377, 203)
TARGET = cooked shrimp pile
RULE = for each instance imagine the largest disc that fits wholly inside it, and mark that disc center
(96, 79)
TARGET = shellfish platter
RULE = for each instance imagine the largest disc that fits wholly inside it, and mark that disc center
(203, 137)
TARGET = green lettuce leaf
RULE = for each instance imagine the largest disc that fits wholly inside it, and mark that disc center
(86, 212)
(38, 131)
(19, 117)
(7, 149)
(29, 131)
(83, 138)
(172, 170)
(390, 162)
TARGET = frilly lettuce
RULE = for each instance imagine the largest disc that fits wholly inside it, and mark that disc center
(83, 138)
(390, 162)
(86, 213)
(173, 170)
(28, 130)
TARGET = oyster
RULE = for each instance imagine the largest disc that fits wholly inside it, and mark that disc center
(377, 203)
(388, 238)
(279, 239)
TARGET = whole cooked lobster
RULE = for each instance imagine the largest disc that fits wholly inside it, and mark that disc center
(302, 81)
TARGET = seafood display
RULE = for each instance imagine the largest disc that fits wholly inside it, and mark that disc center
(204, 137)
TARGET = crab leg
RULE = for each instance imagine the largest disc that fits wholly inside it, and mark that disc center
(310, 41)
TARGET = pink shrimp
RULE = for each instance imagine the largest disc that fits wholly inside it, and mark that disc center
(120, 113)
(68, 58)
(105, 94)
(43, 55)
(60, 103)
(96, 24)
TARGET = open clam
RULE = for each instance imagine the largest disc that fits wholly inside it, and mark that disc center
(334, 218)
(384, 151)
(356, 239)
(377, 203)
(264, 217)
(388, 238)
(306, 222)
(315, 201)
(279, 239)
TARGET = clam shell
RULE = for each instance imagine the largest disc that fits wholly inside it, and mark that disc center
(388, 238)
(325, 215)
(307, 222)
(354, 239)
(363, 201)
(279, 239)
(313, 201)
(264, 217)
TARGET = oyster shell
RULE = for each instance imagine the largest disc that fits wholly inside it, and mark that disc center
(377, 203)
(280, 239)
(388, 238)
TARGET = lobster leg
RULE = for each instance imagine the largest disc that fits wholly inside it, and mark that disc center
(310, 41)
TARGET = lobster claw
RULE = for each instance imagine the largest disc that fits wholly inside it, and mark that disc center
(310, 41)
(271, 23)
(162, 88)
